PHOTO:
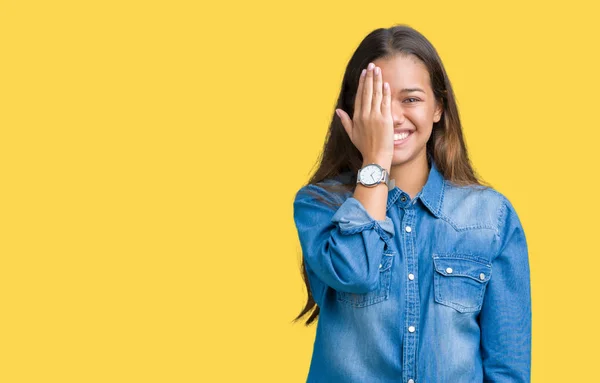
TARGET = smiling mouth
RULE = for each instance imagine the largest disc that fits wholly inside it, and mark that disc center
(401, 137)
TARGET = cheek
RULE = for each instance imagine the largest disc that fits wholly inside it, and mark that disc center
(422, 117)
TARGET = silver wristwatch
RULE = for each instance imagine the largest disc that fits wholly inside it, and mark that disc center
(372, 175)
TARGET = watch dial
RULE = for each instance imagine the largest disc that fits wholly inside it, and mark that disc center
(370, 175)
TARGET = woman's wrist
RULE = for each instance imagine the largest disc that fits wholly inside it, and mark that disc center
(384, 162)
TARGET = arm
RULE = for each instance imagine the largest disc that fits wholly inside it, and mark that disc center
(505, 317)
(342, 246)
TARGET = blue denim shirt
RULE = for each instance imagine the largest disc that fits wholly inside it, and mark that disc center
(439, 291)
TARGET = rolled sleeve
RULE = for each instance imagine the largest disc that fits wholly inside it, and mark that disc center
(352, 217)
(341, 243)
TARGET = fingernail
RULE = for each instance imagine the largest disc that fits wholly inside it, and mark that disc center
(338, 113)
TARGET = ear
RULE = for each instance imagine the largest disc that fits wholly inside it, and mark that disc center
(438, 111)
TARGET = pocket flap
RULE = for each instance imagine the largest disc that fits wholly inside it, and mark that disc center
(465, 267)
(386, 260)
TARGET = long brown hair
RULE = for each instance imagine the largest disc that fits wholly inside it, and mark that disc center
(446, 145)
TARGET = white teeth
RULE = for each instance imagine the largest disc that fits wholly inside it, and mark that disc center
(400, 136)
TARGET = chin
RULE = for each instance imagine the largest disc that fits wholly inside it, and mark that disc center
(399, 160)
(405, 155)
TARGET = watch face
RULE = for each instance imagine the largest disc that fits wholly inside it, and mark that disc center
(370, 175)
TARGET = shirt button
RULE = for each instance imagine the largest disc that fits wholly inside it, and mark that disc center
(403, 198)
(482, 276)
(411, 276)
(408, 229)
(380, 266)
(411, 381)
(411, 328)
(449, 271)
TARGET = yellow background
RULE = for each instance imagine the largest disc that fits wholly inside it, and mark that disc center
(150, 153)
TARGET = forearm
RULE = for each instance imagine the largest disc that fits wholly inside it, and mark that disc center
(374, 199)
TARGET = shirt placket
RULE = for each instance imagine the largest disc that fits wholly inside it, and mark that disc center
(411, 322)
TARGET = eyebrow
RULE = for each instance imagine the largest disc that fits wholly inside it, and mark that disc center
(408, 90)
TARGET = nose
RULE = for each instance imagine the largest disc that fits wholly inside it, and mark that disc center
(397, 113)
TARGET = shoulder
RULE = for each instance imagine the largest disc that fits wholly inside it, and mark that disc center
(475, 206)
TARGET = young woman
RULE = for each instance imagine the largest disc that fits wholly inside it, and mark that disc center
(416, 270)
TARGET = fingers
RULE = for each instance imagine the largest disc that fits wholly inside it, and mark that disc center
(377, 85)
(367, 92)
(370, 96)
(358, 98)
(346, 121)
(386, 102)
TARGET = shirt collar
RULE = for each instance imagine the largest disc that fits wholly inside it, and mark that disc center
(432, 193)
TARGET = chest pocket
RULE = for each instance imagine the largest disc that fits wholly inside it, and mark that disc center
(460, 282)
(381, 294)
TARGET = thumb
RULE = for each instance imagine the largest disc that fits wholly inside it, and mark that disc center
(346, 121)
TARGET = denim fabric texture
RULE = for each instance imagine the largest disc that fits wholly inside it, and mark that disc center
(439, 291)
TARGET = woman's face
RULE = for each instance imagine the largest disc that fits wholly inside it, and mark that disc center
(414, 108)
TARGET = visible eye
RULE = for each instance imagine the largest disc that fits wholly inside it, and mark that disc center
(412, 98)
